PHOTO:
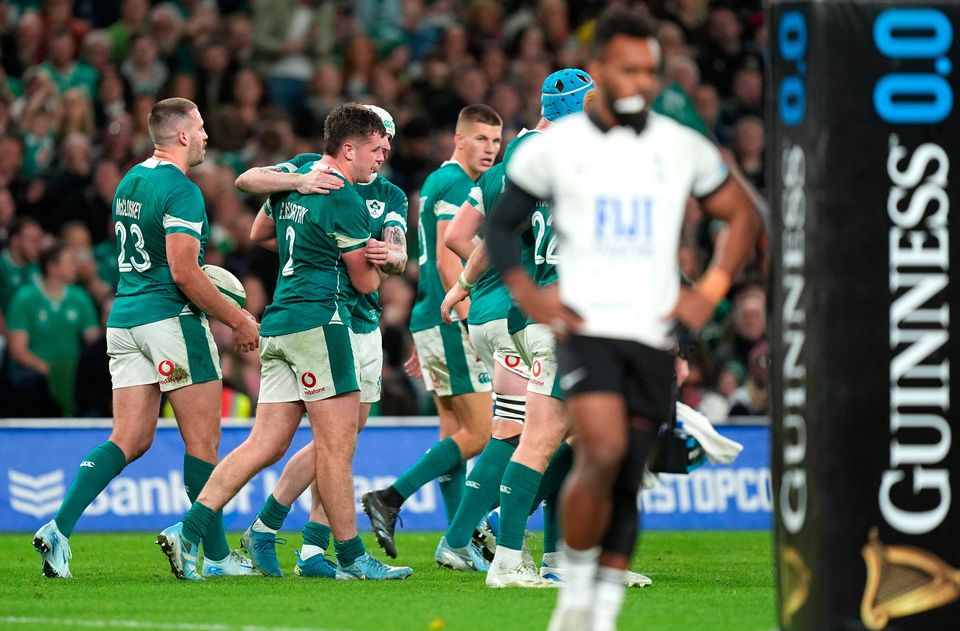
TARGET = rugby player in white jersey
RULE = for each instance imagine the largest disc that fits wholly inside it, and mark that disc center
(618, 205)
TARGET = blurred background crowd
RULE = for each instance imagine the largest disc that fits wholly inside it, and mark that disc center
(78, 78)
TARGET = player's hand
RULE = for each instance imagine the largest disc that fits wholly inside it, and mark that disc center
(377, 252)
(693, 309)
(246, 335)
(456, 295)
(318, 181)
(412, 366)
(544, 306)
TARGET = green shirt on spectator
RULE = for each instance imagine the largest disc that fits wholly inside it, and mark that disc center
(13, 277)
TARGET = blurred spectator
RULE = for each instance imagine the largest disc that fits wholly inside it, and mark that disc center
(58, 14)
(95, 51)
(325, 90)
(748, 149)
(359, 60)
(749, 326)
(132, 22)
(23, 47)
(75, 237)
(751, 399)
(214, 77)
(239, 38)
(282, 44)
(77, 114)
(72, 175)
(143, 70)
(166, 27)
(93, 388)
(49, 324)
(723, 55)
(63, 66)
(111, 100)
(18, 261)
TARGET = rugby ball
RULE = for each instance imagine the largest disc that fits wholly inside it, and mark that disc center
(229, 285)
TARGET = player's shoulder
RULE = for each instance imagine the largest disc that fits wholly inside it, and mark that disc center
(661, 125)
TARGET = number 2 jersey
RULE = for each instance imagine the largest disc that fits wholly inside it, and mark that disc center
(313, 287)
(154, 199)
(387, 206)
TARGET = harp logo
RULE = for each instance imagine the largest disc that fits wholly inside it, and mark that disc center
(903, 581)
(794, 583)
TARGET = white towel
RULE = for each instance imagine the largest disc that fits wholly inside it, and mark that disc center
(719, 449)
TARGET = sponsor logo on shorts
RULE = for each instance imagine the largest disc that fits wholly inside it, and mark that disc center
(537, 368)
(309, 380)
(171, 372)
(484, 377)
(512, 361)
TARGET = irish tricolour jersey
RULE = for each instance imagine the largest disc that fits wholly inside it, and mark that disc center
(617, 199)
(153, 199)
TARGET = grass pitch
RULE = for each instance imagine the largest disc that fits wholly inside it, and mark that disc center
(702, 580)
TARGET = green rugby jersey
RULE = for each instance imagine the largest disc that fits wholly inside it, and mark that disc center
(313, 287)
(154, 199)
(490, 299)
(537, 244)
(387, 206)
(441, 196)
(55, 326)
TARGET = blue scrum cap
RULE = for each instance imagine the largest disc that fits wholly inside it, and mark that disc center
(564, 92)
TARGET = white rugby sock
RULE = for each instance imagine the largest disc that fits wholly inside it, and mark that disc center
(579, 575)
(308, 551)
(608, 598)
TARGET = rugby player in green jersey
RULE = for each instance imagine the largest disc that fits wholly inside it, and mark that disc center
(307, 360)
(158, 337)
(387, 206)
(450, 367)
(521, 479)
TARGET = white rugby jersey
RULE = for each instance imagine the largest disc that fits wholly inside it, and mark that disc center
(618, 202)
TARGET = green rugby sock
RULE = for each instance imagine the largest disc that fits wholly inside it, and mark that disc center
(452, 485)
(97, 468)
(439, 460)
(315, 534)
(517, 491)
(349, 551)
(196, 472)
(196, 522)
(272, 513)
(555, 474)
(482, 489)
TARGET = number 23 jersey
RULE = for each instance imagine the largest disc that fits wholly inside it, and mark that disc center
(154, 199)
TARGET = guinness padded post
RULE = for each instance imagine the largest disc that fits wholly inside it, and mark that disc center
(863, 133)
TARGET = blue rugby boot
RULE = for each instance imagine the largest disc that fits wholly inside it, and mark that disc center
(317, 566)
(368, 567)
(235, 564)
(54, 549)
(262, 548)
(466, 559)
(181, 553)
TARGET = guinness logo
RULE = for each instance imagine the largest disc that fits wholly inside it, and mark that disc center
(794, 582)
(903, 581)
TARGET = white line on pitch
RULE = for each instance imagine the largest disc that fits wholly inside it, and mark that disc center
(144, 624)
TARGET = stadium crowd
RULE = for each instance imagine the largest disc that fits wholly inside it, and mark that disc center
(79, 77)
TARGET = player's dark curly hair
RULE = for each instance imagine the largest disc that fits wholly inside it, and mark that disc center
(619, 21)
(350, 121)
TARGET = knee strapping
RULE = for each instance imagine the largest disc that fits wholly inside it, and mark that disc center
(621, 535)
(510, 407)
